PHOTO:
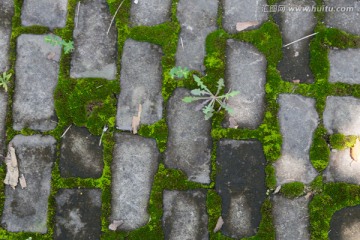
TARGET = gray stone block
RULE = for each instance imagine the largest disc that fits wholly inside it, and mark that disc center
(6, 13)
(150, 12)
(345, 224)
(140, 81)
(344, 66)
(189, 142)
(27, 209)
(3, 106)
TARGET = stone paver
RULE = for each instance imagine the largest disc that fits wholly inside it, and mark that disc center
(95, 50)
(81, 156)
(150, 12)
(189, 142)
(298, 121)
(197, 19)
(245, 72)
(291, 218)
(36, 79)
(243, 11)
(344, 20)
(240, 182)
(49, 13)
(345, 224)
(78, 214)
(26, 209)
(3, 102)
(342, 115)
(342, 70)
(135, 162)
(185, 215)
(295, 25)
(141, 80)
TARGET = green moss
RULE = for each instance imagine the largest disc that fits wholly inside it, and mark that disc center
(292, 190)
(270, 177)
(340, 141)
(317, 184)
(319, 151)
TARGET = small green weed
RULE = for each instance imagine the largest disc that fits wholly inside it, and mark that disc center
(179, 72)
(57, 41)
(4, 80)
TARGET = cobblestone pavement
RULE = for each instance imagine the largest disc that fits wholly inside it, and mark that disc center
(280, 167)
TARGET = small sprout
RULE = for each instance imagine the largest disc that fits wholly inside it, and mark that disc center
(179, 72)
(57, 41)
(4, 80)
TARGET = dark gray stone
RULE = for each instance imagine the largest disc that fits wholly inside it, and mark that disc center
(141, 80)
(298, 121)
(36, 79)
(291, 218)
(344, 20)
(48, 13)
(150, 12)
(345, 224)
(189, 142)
(6, 13)
(245, 72)
(243, 11)
(3, 106)
(344, 66)
(135, 162)
(342, 115)
(26, 209)
(78, 214)
(241, 185)
(81, 156)
(295, 25)
(95, 50)
(185, 215)
(197, 19)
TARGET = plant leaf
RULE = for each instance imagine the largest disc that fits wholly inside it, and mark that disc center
(220, 85)
(189, 99)
(198, 92)
(230, 94)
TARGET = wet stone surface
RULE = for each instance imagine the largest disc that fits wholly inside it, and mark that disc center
(150, 12)
(185, 215)
(78, 214)
(197, 19)
(345, 224)
(245, 72)
(48, 13)
(189, 141)
(6, 13)
(342, 70)
(81, 156)
(135, 162)
(95, 50)
(26, 209)
(141, 81)
(241, 185)
(298, 121)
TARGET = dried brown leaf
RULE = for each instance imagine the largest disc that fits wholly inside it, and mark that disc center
(355, 151)
(308, 195)
(297, 81)
(233, 123)
(240, 26)
(277, 190)
(219, 224)
(22, 181)
(135, 123)
(115, 224)
(12, 170)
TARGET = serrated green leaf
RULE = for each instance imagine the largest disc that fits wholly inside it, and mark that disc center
(198, 92)
(220, 85)
(189, 99)
(230, 94)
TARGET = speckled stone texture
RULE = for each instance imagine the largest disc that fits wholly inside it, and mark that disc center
(27, 209)
(36, 79)
(150, 12)
(95, 50)
(189, 142)
(345, 224)
(343, 70)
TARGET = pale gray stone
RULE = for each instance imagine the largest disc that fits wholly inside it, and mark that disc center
(245, 72)
(150, 12)
(185, 215)
(36, 79)
(135, 162)
(141, 80)
(197, 19)
(298, 121)
(344, 66)
(95, 50)
(189, 142)
(48, 13)
(345, 224)
(3, 106)
(6, 13)
(26, 209)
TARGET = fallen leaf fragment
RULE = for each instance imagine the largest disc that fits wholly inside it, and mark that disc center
(240, 26)
(12, 170)
(219, 224)
(277, 190)
(51, 55)
(297, 81)
(22, 181)
(308, 195)
(115, 224)
(135, 123)
(233, 123)
(355, 151)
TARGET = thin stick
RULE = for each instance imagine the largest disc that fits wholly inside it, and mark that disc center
(65, 131)
(77, 14)
(300, 39)
(112, 20)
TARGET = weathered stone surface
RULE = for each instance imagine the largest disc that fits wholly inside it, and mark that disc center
(345, 224)
(150, 12)
(342, 115)
(81, 156)
(241, 185)
(343, 70)
(36, 79)
(245, 72)
(344, 20)
(6, 13)
(197, 19)
(295, 25)
(95, 50)
(3, 105)
(141, 80)
(185, 215)
(135, 162)
(243, 11)
(26, 209)
(298, 121)
(78, 214)
(291, 218)
(48, 13)
(189, 142)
